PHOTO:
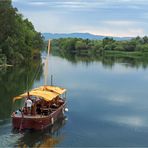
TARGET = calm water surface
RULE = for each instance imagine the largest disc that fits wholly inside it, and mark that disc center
(108, 105)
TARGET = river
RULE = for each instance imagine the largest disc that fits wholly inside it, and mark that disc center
(107, 102)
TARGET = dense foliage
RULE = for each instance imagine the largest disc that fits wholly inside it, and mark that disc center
(18, 39)
(77, 45)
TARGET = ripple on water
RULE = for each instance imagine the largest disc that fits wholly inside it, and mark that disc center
(7, 138)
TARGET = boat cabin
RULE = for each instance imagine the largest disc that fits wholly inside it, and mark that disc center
(44, 100)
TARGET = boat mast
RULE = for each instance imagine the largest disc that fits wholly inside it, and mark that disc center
(46, 64)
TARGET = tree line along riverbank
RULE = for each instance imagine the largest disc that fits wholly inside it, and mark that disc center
(135, 47)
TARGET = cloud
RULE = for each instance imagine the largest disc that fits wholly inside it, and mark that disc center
(103, 17)
(37, 3)
(119, 22)
(71, 5)
(14, 0)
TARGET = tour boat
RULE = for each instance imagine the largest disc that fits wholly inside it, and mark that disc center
(47, 106)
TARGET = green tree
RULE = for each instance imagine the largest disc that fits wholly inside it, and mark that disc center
(145, 39)
(18, 39)
(80, 45)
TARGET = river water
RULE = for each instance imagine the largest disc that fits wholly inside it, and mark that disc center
(107, 102)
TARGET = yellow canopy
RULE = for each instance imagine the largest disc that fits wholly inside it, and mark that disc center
(47, 93)
(55, 89)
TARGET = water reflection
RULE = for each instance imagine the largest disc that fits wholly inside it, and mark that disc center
(107, 60)
(107, 100)
(46, 138)
(13, 81)
(132, 121)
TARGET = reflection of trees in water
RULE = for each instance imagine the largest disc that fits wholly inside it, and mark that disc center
(108, 60)
(46, 138)
(13, 82)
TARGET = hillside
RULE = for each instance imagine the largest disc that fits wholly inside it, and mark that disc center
(79, 35)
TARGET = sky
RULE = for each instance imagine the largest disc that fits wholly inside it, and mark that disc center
(123, 18)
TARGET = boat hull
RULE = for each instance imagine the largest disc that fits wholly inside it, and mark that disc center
(37, 122)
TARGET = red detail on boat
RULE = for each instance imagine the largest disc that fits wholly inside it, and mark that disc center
(36, 122)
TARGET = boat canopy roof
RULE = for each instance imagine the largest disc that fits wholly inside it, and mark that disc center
(47, 93)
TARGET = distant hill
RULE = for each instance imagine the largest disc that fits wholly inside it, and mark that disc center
(79, 35)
